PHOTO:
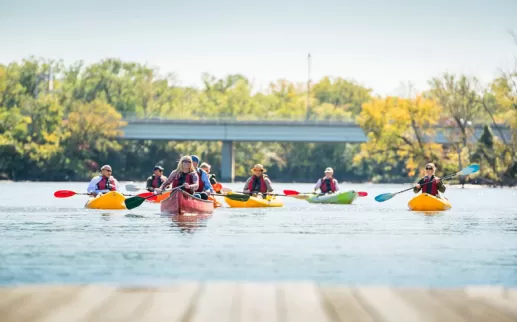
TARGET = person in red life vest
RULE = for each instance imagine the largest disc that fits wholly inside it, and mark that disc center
(156, 180)
(327, 184)
(184, 176)
(430, 183)
(103, 183)
(258, 182)
(205, 187)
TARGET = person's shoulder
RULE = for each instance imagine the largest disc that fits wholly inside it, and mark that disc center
(150, 178)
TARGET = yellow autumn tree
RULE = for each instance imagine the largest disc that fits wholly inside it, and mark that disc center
(399, 130)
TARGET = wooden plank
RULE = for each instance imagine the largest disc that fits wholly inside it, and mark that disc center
(218, 301)
(428, 306)
(80, 306)
(258, 302)
(36, 301)
(470, 308)
(171, 304)
(123, 305)
(343, 305)
(385, 305)
(495, 296)
(301, 302)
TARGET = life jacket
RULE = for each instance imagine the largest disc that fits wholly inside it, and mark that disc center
(257, 184)
(157, 181)
(327, 185)
(181, 179)
(106, 184)
(201, 183)
(431, 188)
(211, 178)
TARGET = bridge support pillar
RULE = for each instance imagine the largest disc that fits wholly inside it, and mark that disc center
(228, 162)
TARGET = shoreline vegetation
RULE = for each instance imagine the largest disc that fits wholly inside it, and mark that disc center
(59, 122)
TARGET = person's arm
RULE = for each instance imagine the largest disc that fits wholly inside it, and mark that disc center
(206, 182)
(318, 185)
(418, 186)
(268, 184)
(92, 186)
(195, 182)
(169, 180)
(336, 184)
(164, 178)
(117, 186)
(246, 184)
(441, 186)
(149, 184)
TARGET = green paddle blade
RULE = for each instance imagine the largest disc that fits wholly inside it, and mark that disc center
(473, 168)
(238, 197)
(384, 197)
(134, 202)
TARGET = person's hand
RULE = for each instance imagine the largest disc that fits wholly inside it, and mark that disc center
(158, 191)
(418, 186)
(186, 185)
(437, 179)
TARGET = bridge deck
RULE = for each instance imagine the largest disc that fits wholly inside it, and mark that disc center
(254, 302)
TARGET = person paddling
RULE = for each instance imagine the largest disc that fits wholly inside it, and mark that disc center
(327, 184)
(183, 176)
(156, 180)
(258, 182)
(205, 188)
(430, 183)
(103, 183)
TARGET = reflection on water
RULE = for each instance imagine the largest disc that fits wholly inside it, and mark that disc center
(49, 240)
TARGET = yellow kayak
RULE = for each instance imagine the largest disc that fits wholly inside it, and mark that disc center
(255, 202)
(427, 202)
(110, 200)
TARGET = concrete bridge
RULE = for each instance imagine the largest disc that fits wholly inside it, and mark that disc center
(254, 131)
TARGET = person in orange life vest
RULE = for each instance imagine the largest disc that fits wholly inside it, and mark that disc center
(156, 180)
(430, 184)
(103, 183)
(258, 182)
(183, 176)
(205, 188)
(327, 184)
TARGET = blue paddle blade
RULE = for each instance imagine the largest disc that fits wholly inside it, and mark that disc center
(473, 168)
(384, 197)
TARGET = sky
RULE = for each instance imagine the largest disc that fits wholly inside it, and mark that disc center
(377, 43)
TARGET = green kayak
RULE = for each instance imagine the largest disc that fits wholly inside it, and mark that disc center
(342, 198)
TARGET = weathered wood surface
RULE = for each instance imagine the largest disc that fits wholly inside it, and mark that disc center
(228, 301)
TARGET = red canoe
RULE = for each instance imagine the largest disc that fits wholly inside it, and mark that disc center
(181, 203)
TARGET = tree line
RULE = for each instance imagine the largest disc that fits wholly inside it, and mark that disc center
(60, 122)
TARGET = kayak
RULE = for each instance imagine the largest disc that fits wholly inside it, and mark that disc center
(427, 202)
(110, 200)
(255, 202)
(342, 198)
(181, 203)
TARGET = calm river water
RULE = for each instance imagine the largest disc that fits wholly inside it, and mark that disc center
(49, 240)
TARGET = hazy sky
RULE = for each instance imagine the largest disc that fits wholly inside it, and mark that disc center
(378, 43)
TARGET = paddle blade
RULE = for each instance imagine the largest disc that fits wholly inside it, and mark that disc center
(291, 192)
(217, 186)
(238, 197)
(384, 197)
(146, 195)
(134, 202)
(132, 187)
(362, 193)
(473, 168)
(64, 193)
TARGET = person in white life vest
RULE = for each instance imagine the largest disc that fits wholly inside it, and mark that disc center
(103, 183)
(327, 184)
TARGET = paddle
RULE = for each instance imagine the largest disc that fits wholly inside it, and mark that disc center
(473, 168)
(290, 193)
(69, 193)
(236, 197)
(137, 200)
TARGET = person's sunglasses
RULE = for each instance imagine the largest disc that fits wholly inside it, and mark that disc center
(185, 161)
(429, 168)
(107, 170)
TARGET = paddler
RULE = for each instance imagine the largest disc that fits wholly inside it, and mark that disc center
(258, 182)
(156, 180)
(327, 184)
(205, 188)
(184, 176)
(103, 183)
(211, 177)
(430, 183)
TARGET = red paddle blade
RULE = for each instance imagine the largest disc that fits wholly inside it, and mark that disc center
(362, 193)
(64, 193)
(291, 192)
(145, 194)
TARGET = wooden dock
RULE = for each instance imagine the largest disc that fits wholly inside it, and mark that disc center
(268, 302)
